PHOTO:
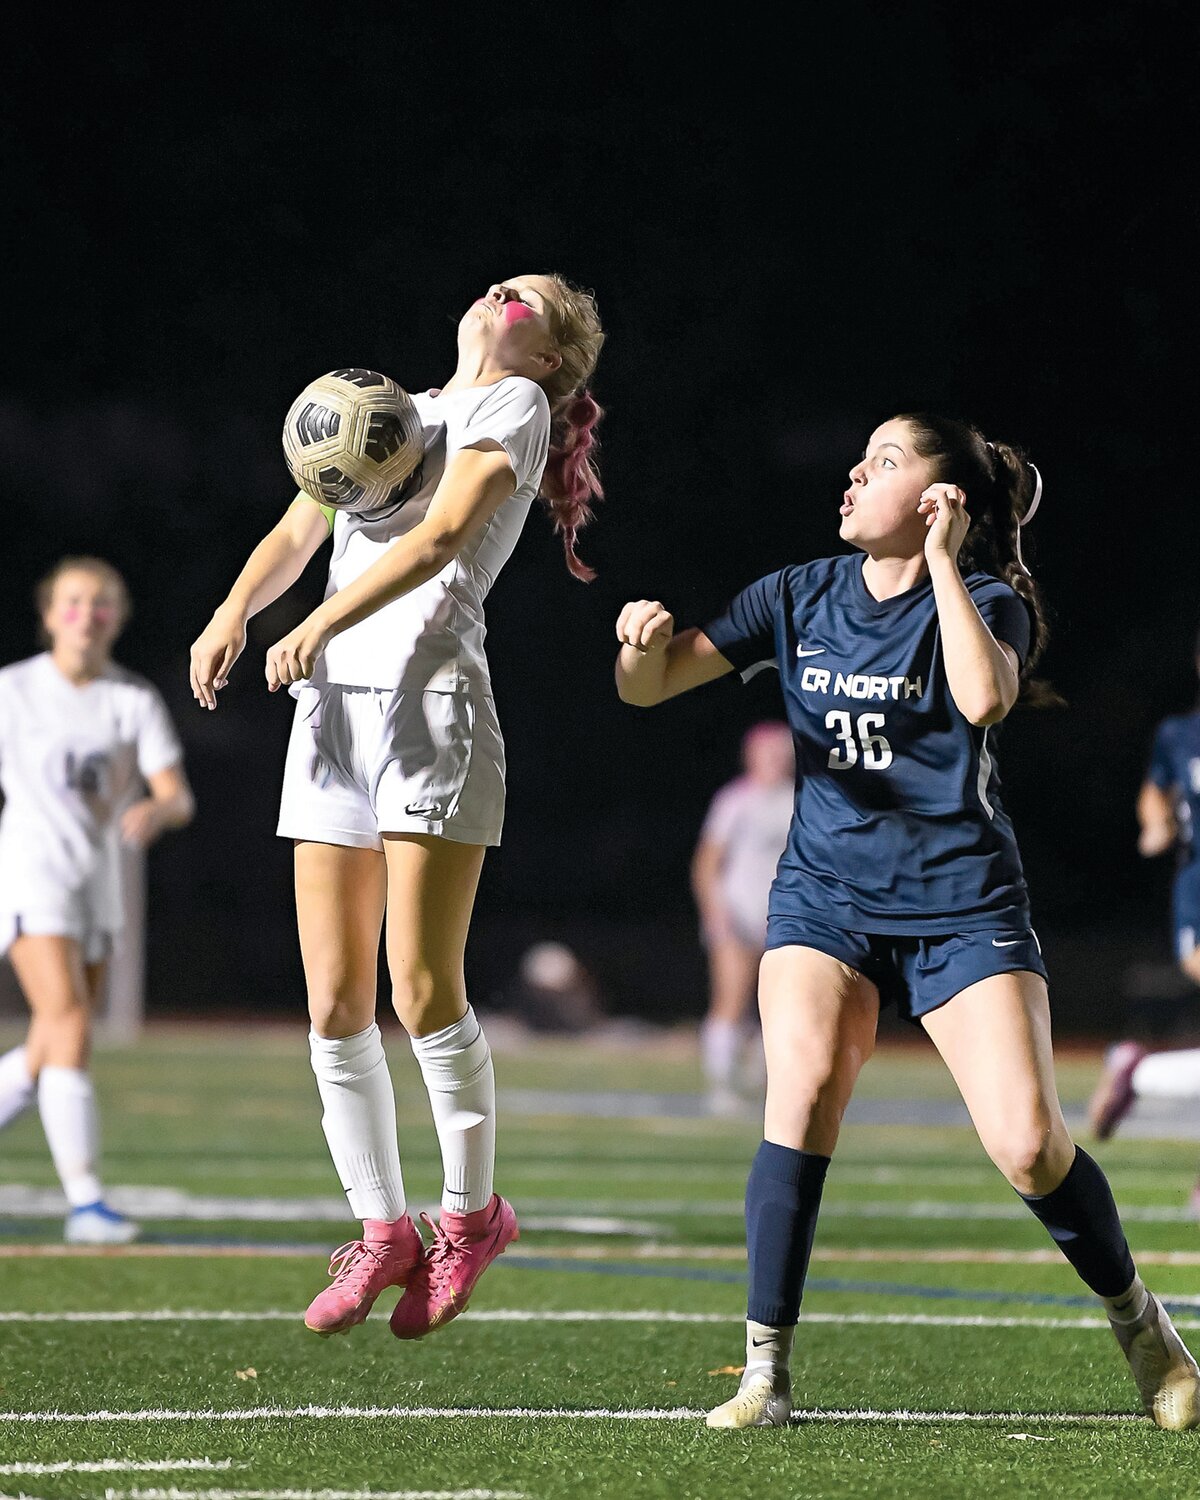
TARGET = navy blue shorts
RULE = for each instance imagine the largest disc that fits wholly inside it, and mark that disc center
(1185, 910)
(917, 974)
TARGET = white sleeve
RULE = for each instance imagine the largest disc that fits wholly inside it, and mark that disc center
(515, 414)
(722, 816)
(158, 745)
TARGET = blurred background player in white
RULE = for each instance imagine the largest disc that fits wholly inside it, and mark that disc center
(1168, 812)
(81, 739)
(394, 783)
(743, 835)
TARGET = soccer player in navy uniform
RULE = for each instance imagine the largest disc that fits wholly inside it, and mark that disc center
(1168, 812)
(901, 881)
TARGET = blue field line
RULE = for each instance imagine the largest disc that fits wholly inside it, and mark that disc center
(823, 1284)
(710, 1274)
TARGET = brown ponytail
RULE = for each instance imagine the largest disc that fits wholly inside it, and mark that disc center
(999, 476)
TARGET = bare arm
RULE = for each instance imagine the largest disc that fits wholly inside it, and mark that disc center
(984, 674)
(271, 569)
(169, 805)
(1157, 828)
(476, 483)
(654, 663)
(279, 559)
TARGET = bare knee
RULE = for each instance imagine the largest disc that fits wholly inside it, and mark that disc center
(1034, 1155)
(426, 1002)
(340, 1003)
(808, 1088)
(61, 1037)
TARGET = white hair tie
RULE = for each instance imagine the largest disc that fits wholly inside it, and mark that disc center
(1029, 514)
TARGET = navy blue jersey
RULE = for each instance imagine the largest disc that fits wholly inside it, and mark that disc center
(898, 826)
(1175, 769)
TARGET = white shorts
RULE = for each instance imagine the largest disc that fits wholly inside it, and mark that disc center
(68, 915)
(362, 762)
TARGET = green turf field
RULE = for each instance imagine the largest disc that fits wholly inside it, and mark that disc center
(943, 1351)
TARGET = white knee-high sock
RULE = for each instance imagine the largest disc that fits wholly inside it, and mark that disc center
(360, 1121)
(17, 1089)
(456, 1065)
(720, 1045)
(67, 1104)
(1168, 1075)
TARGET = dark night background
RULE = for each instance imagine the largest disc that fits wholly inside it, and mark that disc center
(797, 220)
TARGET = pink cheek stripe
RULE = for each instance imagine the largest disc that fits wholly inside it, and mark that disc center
(515, 311)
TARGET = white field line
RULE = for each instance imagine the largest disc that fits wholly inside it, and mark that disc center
(936, 1209)
(561, 1413)
(150, 1203)
(570, 1215)
(897, 1255)
(122, 1466)
(652, 1251)
(982, 1175)
(636, 1315)
(174, 1494)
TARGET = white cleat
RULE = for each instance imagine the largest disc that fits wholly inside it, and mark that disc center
(758, 1403)
(97, 1224)
(1167, 1376)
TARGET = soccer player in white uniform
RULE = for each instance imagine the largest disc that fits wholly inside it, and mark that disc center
(742, 837)
(81, 739)
(394, 780)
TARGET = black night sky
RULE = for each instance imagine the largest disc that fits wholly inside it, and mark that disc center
(797, 220)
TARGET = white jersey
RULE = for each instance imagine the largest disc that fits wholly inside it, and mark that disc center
(749, 822)
(432, 637)
(70, 758)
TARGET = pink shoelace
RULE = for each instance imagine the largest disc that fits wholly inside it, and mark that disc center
(352, 1263)
(438, 1263)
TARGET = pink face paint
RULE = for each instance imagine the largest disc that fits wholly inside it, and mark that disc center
(514, 311)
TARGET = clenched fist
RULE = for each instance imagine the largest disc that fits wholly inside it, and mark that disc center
(646, 626)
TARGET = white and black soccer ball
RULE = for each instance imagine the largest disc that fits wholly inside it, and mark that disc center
(353, 440)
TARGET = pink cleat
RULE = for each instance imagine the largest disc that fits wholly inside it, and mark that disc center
(385, 1256)
(1113, 1097)
(464, 1245)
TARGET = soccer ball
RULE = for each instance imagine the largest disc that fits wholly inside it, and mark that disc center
(353, 440)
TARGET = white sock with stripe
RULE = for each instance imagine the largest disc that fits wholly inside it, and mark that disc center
(456, 1064)
(67, 1104)
(359, 1121)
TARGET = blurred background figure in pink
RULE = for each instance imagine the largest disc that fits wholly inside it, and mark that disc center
(740, 842)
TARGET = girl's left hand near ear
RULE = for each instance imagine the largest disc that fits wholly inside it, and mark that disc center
(293, 658)
(944, 507)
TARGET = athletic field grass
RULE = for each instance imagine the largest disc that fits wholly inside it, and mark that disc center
(944, 1348)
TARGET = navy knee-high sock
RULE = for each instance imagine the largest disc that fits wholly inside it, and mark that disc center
(783, 1197)
(1082, 1219)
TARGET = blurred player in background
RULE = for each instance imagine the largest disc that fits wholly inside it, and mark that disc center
(743, 835)
(394, 783)
(902, 879)
(81, 740)
(1168, 812)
